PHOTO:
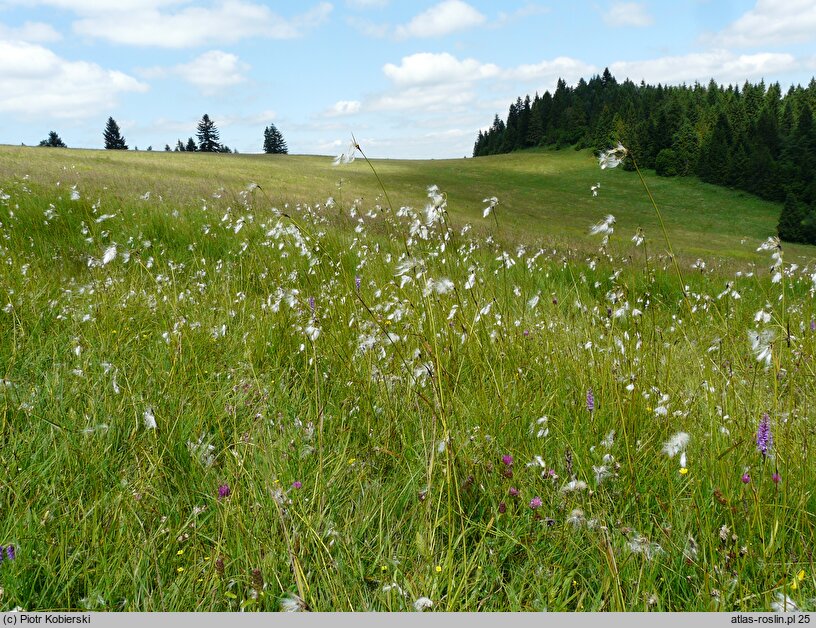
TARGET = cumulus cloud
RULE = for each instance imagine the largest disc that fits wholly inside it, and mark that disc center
(427, 68)
(210, 72)
(441, 19)
(772, 22)
(722, 65)
(30, 32)
(627, 14)
(35, 82)
(174, 24)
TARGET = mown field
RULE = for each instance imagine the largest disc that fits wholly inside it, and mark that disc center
(243, 382)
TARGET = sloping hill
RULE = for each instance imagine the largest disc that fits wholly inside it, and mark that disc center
(542, 194)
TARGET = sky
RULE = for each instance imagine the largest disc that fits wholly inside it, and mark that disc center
(412, 80)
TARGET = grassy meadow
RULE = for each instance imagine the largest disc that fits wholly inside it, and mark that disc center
(255, 383)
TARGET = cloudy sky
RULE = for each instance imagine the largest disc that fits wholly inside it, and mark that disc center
(409, 79)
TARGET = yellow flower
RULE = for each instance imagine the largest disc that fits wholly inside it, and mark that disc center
(439, 569)
(683, 471)
(180, 552)
(352, 460)
(800, 576)
(179, 569)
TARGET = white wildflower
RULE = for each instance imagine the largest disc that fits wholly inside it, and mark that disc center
(422, 603)
(762, 345)
(612, 158)
(149, 419)
(491, 205)
(783, 604)
(349, 156)
(109, 255)
(292, 604)
(676, 444)
(601, 473)
(576, 518)
(605, 227)
(574, 486)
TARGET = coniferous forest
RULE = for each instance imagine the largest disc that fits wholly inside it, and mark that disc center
(754, 138)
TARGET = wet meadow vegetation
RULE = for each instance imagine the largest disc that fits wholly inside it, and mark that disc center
(255, 383)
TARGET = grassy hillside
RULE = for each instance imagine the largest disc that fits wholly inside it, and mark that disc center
(543, 195)
(220, 397)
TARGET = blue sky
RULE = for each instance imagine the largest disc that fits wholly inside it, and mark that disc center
(409, 79)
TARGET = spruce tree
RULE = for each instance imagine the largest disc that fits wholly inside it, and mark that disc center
(191, 146)
(53, 141)
(274, 142)
(113, 138)
(790, 226)
(207, 136)
(180, 148)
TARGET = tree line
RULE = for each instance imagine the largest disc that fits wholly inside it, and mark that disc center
(755, 138)
(207, 134)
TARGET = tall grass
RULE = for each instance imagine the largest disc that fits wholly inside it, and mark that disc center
(398, 404)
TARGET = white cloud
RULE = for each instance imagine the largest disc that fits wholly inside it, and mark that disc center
(722, 65)
(426, 68)
(441, 19)
(772, 22)
(627, 14)
(344, 108)
(210, 72)
(446, 98)
(166, 24)
(30, 32)
(367, 4)
(35, 82)
(528, 10)
(549, 71)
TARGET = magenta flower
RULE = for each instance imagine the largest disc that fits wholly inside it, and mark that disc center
(746, 479)
(297, 484)
(507, 459)
(764, 438)
(502, 507)
(224, 491)
(535, 503)
(776, 477)
(514, 492)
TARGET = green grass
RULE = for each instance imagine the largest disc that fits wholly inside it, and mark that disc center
(544, 194)
(392, 404)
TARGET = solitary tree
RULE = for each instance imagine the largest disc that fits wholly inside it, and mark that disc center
(274, 142)
(113, 138)
(167, 148)
(53, 140)
(207, 135)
